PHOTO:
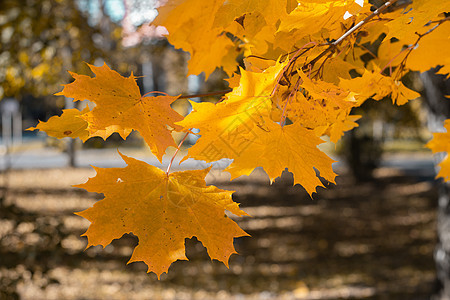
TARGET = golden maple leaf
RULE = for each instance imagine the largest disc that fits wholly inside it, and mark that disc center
(432, 51)
(254, 22)
(72, 123)
(162, 211)
(414, 18)
(441, 143)
(343, 123)
(376, 85)
(104, 133)
(121, 107)
(190, 27)
(242, 108)
(276, 148)
(316, 104)
(69, 124)
(318, 21)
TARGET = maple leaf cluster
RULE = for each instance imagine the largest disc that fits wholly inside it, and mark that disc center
(306, 68)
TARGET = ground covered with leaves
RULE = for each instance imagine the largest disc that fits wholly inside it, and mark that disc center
(371, 240)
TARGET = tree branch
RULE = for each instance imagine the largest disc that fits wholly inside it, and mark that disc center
(327, 51)
(334, 44)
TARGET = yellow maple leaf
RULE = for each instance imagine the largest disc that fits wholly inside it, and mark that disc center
(312, 17)
(401, 94)
(243, 107)
(244, 102)
(376, 85)
(190, 27)
(241, 10)
(204, 28)
(337, 68)
(255, 22)
(276, 148)
(104, 133)
(72, 123)
(69, 124)
(334, 95)
(343, 123)
(320, 21)
(162, 211)
(441, 143)
(318, 105)
(432, 51)
(413, 19)
(121, 107)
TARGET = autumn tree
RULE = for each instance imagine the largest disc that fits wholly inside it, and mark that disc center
(40, 41)
(306, 65)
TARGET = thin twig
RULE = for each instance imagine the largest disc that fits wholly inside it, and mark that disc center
(440, 21)
(288, 100)
(368, 51)
(346, 34)
(412, 47)
(397, 55)
(375, 13)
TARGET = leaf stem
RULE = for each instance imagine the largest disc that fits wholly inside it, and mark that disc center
(176, 152)
(296, 55)
(154, 92)
(291, 94)
(397, 55)
(205, 95)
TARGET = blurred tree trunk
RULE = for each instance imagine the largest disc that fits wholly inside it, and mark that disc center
(438, 110)
(362, 154)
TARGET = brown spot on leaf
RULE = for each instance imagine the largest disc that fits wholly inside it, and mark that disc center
(240, 20)
(67, 132)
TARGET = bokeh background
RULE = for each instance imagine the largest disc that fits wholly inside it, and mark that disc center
(371, 236)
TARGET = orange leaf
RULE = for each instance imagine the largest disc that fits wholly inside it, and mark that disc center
(242, 108)
(441, 143)
(376, 85)
(69, 124)
(276, 148)
(190, 26)
(72, 123)
(119, 104)
(162, 211)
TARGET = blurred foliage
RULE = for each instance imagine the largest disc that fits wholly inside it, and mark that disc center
(41, 39)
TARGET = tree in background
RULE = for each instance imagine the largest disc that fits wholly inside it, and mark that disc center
(40, 41)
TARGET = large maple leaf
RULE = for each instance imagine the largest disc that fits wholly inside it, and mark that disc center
(276, 148)
(162, 211)
(441, 143)
(120, 105)
(242, 108)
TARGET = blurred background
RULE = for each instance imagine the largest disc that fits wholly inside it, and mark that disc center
(372, 236)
